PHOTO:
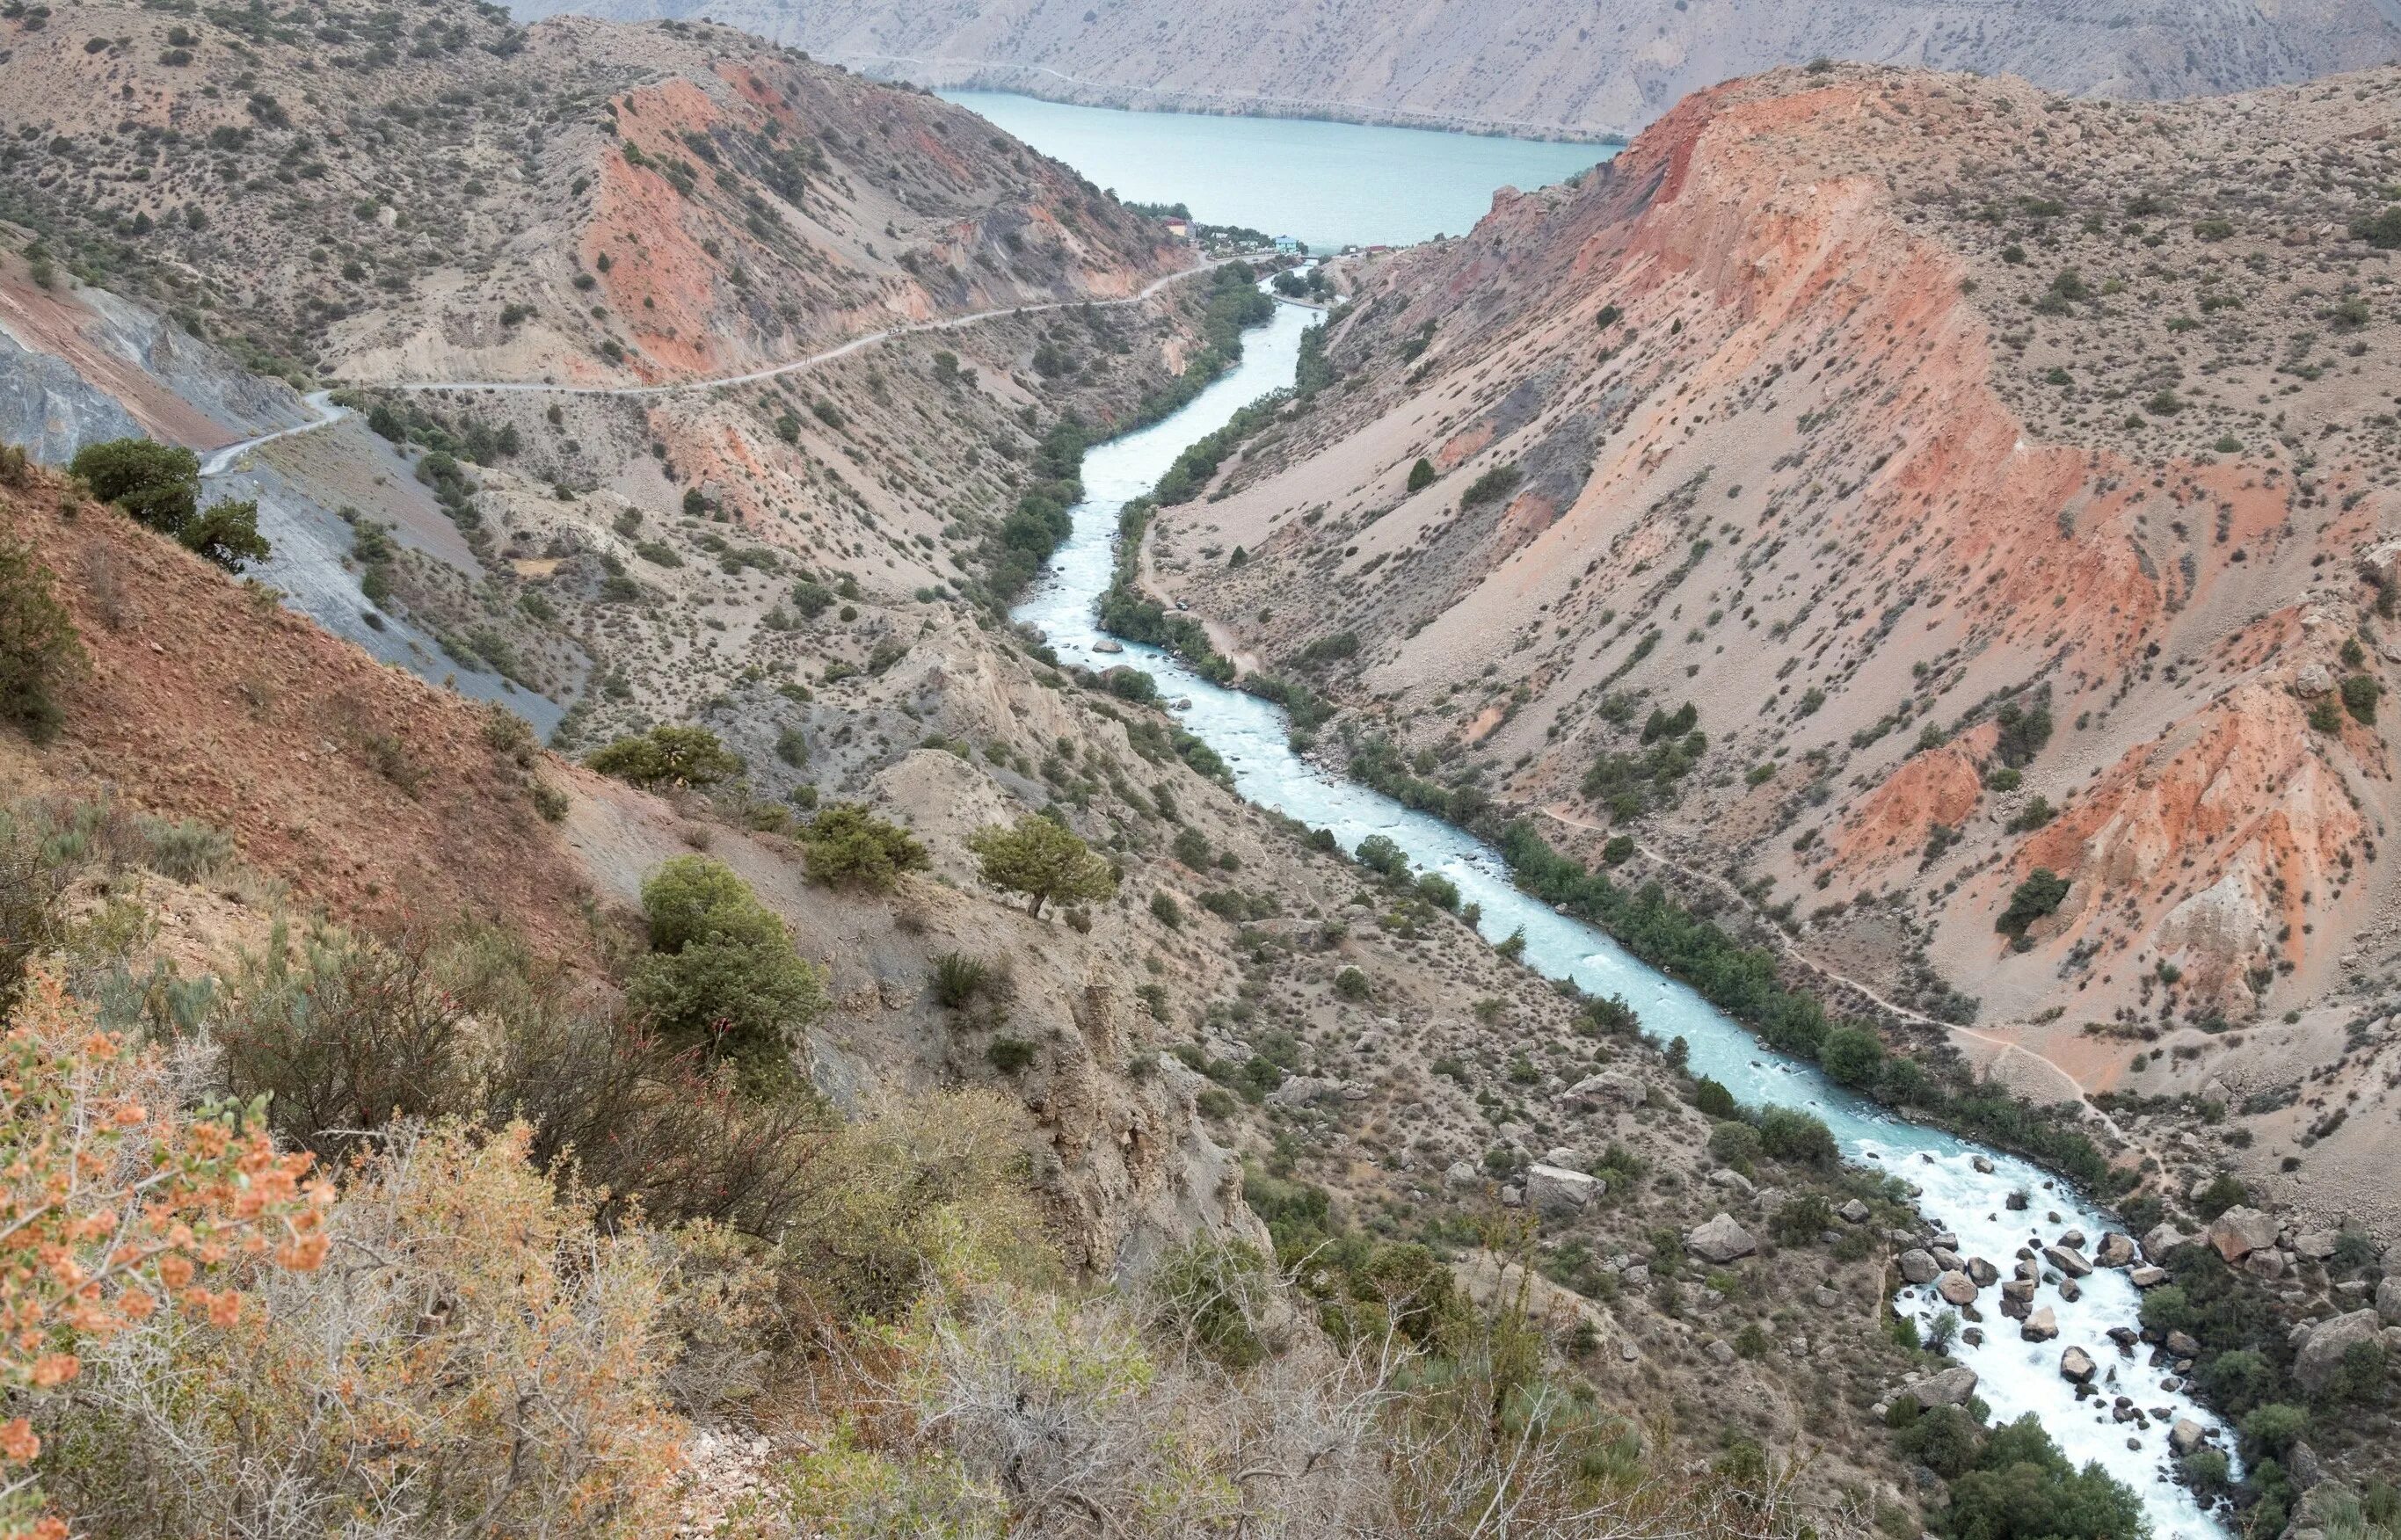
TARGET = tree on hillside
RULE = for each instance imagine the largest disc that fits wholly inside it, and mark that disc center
(159, 485)
(723, 971)
(1042, 859)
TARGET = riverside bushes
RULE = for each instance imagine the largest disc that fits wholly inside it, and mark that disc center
(1745, 983)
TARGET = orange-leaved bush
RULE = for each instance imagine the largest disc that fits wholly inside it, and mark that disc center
(117, 1207)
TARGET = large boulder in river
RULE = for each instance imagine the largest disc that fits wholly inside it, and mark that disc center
(2116, 1250)
(1720, 1240)
(2239, 1231)
(1955, 1288)
(2320, 1358)
(2077, 1367)
(2040, 1327)
(1556, 1192)
(1950, 1388)
(2186, 1437)
(1918, 1266)
(2069, 1261)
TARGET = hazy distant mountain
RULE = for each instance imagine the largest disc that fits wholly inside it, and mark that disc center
(1594, 66)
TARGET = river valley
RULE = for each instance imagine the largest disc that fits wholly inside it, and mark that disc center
(1962, 1188)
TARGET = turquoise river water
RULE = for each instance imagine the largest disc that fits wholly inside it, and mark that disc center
(1329, 184)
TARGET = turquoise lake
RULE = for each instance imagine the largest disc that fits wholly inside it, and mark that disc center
(1330, 184)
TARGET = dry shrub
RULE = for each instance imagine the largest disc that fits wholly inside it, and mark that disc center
(472, 1360)
(120, 1210)
(1003, 1410)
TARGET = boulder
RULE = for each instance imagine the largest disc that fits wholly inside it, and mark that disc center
(2240, 1230)
(1557, 1191)
(2313, 679)
(2266, 1263)
(1720, 1240)
(1853, 1212)
(2073, 1240)
(1300, 1090)
(1950, 1388)
(2186, 1437)
(1955, 1288)
(1732, 1179)
(2070, 1262)
(1461, 1174)
(1607, 1090)
(2040, 1327)
(2077, 1367)
(1918, 1267)
(1983, 1272)
(2183, 1347)
(2320, 1358)
(2148, 1277)
(2316, 1245)
(2160, 1239)
(2388, 1298)
(2116, 1250)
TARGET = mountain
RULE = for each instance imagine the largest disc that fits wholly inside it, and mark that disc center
(1538, 65)
(578, 838)
(1951, 524)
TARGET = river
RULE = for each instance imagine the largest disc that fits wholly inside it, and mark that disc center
(1329, 184)
(2016, 1376)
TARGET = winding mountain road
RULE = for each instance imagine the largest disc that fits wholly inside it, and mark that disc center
(221, 460)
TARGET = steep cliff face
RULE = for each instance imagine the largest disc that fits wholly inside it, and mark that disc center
(2003, 479)
(438, 194)
(1514, 65)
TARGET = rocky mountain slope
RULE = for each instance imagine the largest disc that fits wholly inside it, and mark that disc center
(2007, 485)
(1538, 65)
(432, 192)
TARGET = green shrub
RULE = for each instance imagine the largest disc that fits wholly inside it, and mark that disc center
(958, 978)
(1713, 1098)
(1216, 1297)
(184, 849)
(1796, 1138)
(722, 973)
(1492, 486)
(1352, 984)
(2359, 693)
(668, 755)
(1164, 910)
(1009, 1054)
(1852, 1056)
(847, 846)
(39, 651)
(2039, 895)
(1735, 1143)
(1422, 475)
